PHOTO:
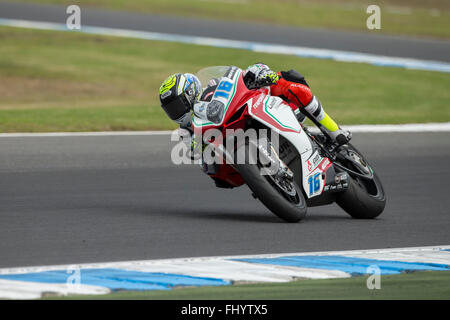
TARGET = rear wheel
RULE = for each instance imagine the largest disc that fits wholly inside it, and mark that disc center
(280, 195)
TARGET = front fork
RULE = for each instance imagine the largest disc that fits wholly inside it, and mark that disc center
(339, 154)
(277, 166)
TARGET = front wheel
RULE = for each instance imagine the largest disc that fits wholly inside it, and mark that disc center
(364, 198)
(284, 198)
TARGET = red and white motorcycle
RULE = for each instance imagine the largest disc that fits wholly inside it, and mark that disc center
(293, 168)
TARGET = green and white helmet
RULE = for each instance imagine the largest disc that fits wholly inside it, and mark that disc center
(178, 93)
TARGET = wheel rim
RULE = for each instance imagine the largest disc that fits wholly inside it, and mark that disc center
(359, 164)
(284, 187)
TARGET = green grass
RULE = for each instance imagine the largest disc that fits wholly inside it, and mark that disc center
(408, 17)
(418, 285)
(67, 81)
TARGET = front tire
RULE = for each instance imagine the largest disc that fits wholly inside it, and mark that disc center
(364, 198)
(289, 207)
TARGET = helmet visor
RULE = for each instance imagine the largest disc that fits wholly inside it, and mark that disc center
(177, 107)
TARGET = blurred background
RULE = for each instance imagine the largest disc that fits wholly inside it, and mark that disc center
(72, 81)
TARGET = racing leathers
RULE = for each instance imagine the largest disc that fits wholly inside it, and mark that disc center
(292, 87)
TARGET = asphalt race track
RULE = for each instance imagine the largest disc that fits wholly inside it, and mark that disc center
(397, 46)
(70, 200)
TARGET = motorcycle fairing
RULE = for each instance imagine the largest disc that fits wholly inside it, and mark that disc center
(277, 115)
(227, 90)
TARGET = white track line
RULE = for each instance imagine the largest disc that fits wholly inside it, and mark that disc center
(305, 52)
(411, 127)
(85, 134)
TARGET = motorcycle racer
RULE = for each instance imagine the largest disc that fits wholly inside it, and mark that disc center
(182, 93)
(242, 107)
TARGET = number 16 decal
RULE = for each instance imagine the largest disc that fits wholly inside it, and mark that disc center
(223, 89)
(314, 183)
